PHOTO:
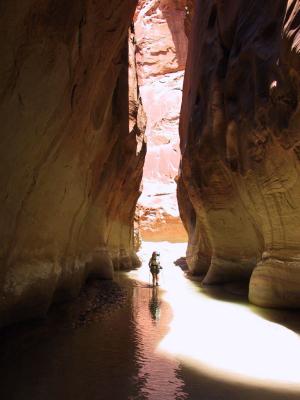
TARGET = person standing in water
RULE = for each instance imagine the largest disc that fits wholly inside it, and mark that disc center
(155, 267)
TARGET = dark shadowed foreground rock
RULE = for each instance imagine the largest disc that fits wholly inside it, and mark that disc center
(239, 189)
(70, 167)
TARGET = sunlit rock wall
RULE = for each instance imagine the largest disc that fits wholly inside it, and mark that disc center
(70, 167)
(161, 54)
(239, 188)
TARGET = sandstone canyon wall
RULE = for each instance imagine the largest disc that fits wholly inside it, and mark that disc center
(161, 56)
(70, 167)
(239, 185)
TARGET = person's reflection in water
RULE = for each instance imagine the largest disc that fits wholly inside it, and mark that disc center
(154, 305)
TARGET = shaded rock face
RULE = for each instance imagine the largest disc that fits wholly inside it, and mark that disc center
(189, 13)
(70, 166)
(161, 45)
(239, 186)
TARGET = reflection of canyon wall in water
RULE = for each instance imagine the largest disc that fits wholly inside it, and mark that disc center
(161, 55)
(239, 189)
(70, 167)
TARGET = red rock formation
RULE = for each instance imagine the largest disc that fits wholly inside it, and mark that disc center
(70, 167)
(189, 12)
(161, 55)
(239, 188)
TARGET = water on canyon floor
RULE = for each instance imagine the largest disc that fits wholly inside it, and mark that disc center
(174, 342)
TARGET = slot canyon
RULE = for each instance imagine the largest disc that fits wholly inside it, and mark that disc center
(138, 126)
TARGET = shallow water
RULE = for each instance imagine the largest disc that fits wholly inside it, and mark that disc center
(173, 342)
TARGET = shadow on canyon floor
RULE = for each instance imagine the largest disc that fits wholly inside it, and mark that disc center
(214, 388)
(96, 300)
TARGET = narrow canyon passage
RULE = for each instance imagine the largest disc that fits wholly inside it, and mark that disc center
(161, 45)
(139, 125)
(159, 345)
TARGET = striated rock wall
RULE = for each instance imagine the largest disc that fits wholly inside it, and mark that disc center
(70, 168)
(161, 55)
(239, 185)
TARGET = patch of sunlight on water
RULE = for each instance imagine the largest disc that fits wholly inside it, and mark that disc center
(223, 337)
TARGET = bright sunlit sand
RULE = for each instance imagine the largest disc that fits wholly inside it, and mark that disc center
(221, 337)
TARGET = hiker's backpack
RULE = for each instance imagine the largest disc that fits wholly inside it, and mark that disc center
(154, 266)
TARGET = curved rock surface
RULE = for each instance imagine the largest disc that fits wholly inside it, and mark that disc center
(70, 167)
(161, 54)
(239, 185)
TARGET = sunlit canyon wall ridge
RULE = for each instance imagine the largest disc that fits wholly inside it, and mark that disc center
(161, 48)
(70, 167)
(239, 186)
